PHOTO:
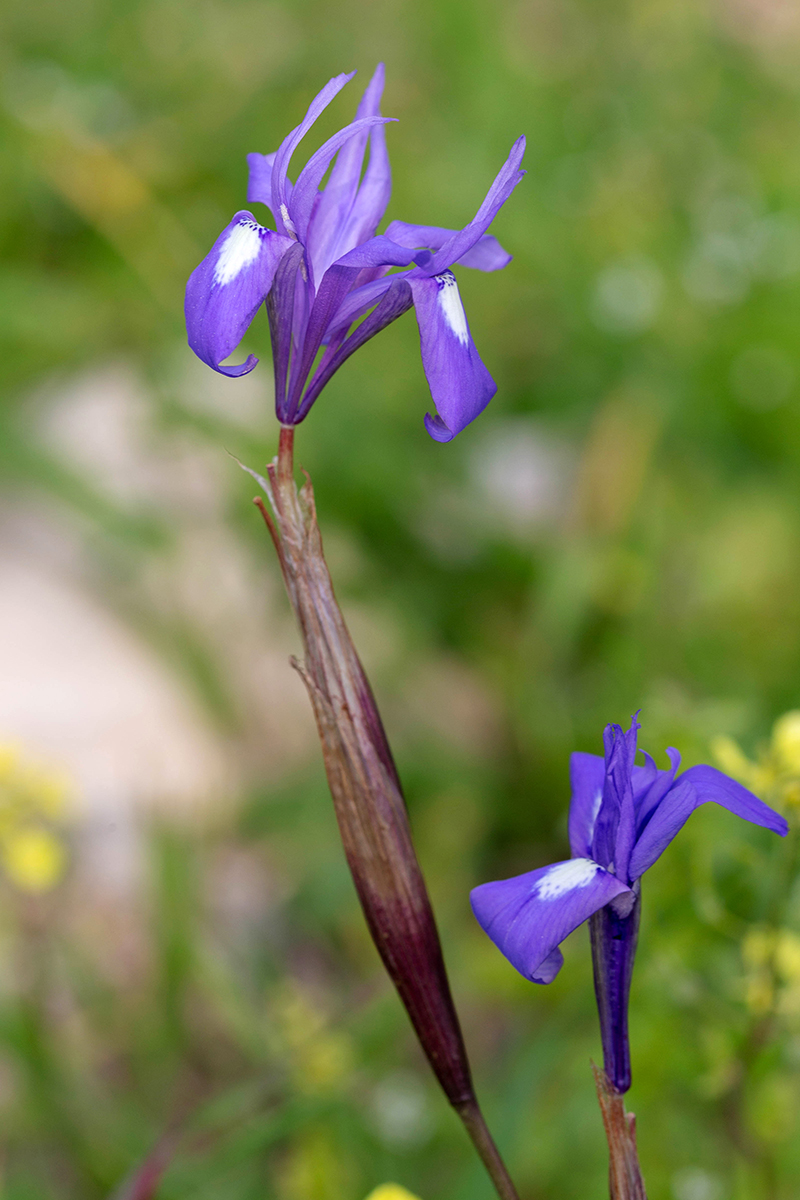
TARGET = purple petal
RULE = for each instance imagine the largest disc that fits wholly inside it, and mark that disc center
(460, 385)
(711, 784)
(336, 283)
(527, 917)
(396, 300)
(281, 307)
(587, 773)
(643, 777)
(615, 828)
(697, 786)
(648, 800)
(280, 166)
(348, 214)
(226, 289)
(670, 816)
(259, 179)
(486, 255)
(306, 189)
(507, 179)
(373, 195)
(379, 251)
(356, 303)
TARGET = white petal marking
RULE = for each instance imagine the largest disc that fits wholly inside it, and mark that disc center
(564, 877)
(596, 805)
(288, 222)
(239, 249)
(451, 306)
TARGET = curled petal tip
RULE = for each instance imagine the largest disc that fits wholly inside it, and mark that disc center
(243, 369)
(437, 428)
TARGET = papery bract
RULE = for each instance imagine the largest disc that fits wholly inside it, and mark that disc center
(323, 270)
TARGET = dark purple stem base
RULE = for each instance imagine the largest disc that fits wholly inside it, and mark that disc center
(613, 950)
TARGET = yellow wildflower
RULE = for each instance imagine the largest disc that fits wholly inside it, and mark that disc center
(34, 859)
(32, 799)
(775, 774)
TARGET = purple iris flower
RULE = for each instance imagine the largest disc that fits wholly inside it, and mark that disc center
(325, 274)
(621, 819)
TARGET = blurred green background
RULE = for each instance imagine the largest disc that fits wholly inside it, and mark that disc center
(619, 530)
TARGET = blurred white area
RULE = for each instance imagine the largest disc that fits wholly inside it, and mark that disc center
(400, 1111)
(83, 687)
(627, 296)
(695, 1183)
(524, 473)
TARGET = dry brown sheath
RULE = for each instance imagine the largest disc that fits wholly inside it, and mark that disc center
(368, 799)
(624, 1174)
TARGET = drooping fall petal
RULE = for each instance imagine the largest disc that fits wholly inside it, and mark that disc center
(527, 917)
(226, 289)
(460, 384)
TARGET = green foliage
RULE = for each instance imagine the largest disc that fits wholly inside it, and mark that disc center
(644, 341)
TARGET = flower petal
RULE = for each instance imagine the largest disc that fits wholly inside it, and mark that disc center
(697, 786)
(281, 308)
(396, 300)
(460, 384)
(711, 784)
(615, 829)
(305, 191)
(527, 917)
(507, 179)
(347, 214)
(259, 178)
(649, 797)
(226, 289)
(281, 189)
(336, 283)
(486, 255)
(355, 304)
(587, 773)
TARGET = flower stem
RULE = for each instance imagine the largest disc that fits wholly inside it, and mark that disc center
(624, 1173)
(483, 1142)
(368, 800)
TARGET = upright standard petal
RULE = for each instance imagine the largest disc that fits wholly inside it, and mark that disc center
(346, 213)
(486, 255)
(527, 917)
(280, 166)
(615, 828)
(460, 385)
(226, 289)
(305, 191)
(587, 773)
(259, 179)
(506, 180)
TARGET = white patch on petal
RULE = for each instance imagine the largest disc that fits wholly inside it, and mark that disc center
(565, 877)
(451, 306)
(596, 805)
(240, 247)
(287, 220)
